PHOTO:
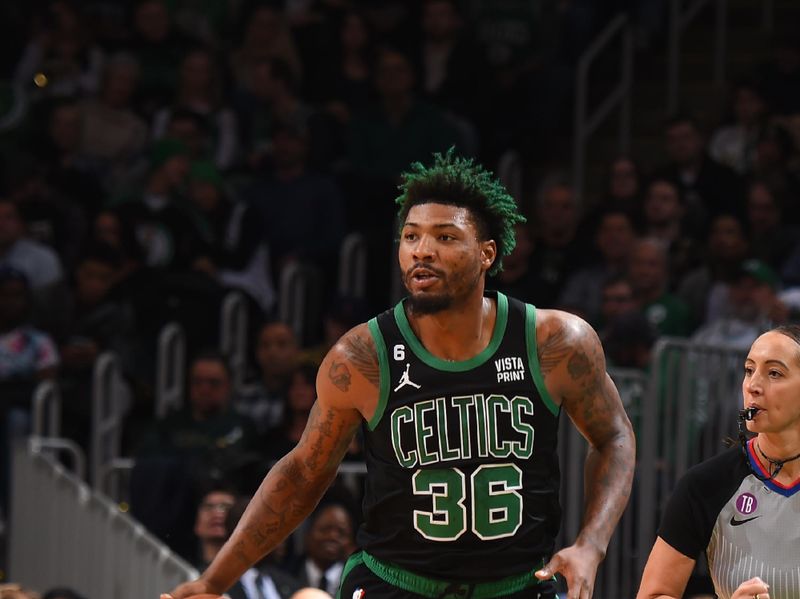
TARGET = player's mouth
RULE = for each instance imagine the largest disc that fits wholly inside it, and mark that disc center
(424, 277)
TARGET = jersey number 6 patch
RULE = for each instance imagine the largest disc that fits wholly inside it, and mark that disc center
(496, 504)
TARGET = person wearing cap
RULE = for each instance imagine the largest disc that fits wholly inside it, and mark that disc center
(752, 307)
(167, 231)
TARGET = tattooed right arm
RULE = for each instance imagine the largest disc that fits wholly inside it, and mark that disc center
(347, 392)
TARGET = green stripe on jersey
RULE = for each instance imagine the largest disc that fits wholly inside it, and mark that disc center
(446, 365)
(383, 365)
(533, 360)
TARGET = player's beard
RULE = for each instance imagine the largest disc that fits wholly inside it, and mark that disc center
(421, 304)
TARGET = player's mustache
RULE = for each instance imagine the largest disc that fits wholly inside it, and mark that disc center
(414, 268)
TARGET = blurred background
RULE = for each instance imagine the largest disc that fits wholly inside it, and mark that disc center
(197, 200)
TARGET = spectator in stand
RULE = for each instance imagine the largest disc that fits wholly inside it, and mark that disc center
(617, 299)
(625, 188)
(50, 218)
(628, 341)
(59, 154)
(329, 541)
(705, 288)
(112, 133)
(518, 277)
(401, 129)
(60, 60)
(452, 68)
(558, 249)
(167, 231)
(207, 433)
(269, 96)
(733, 145)
(91, 319)
(38, 262)
(238, 256)
(199, 90)
(582, 293)
(27, 354)
(648, 273)
(772, 239)
(708, 188)
(159, 47)
(210, 528)
(341, 314)
(343, 83)
(302, 211)
(664, 218)
(774, 156)
(265, 35)
(752, 308)
(277, 355)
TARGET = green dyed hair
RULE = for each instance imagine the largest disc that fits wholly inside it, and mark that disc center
(461, 182)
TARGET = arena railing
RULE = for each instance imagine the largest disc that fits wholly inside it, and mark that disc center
(586, 124)
(295, 287)
(110, 402)
(618, 575)
(681, 15)
(692, 402)
(233, 336)
(353, 266)
(170, 367)
(63, 533)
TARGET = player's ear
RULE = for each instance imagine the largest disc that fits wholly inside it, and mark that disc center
(488, 253)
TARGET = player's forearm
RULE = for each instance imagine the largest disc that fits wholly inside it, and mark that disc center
(608, 476)
(285, 498)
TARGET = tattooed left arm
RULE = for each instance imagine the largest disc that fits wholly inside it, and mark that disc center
(578, 379)
(347, 386)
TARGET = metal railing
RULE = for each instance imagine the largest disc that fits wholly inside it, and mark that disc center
(293, 303)
(170, 366)
(46, 410)
(618, 575)
(586, 124)
(233, 336)
(110, 403)
(680, 17)
(691, 407)
(353, 266)
(65, 534)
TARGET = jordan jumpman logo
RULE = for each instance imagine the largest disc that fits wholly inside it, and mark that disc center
(405, 380)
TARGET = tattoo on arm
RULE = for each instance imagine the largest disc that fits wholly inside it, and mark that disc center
(553, 350)
(578, 365)
(362, 354)
(339, 375)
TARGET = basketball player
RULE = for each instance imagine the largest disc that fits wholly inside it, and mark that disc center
(741, 506)
(459, 392)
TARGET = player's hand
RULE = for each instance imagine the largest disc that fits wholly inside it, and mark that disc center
(578, 565)
(750, 588)
(189, 589)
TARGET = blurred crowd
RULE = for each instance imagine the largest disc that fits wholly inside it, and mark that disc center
(155, 154)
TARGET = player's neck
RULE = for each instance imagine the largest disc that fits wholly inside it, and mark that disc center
(460, 332)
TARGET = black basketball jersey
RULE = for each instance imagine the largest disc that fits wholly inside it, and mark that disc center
(463, 472)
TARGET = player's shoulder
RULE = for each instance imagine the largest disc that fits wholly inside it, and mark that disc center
(355, 345)
(562, 327)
